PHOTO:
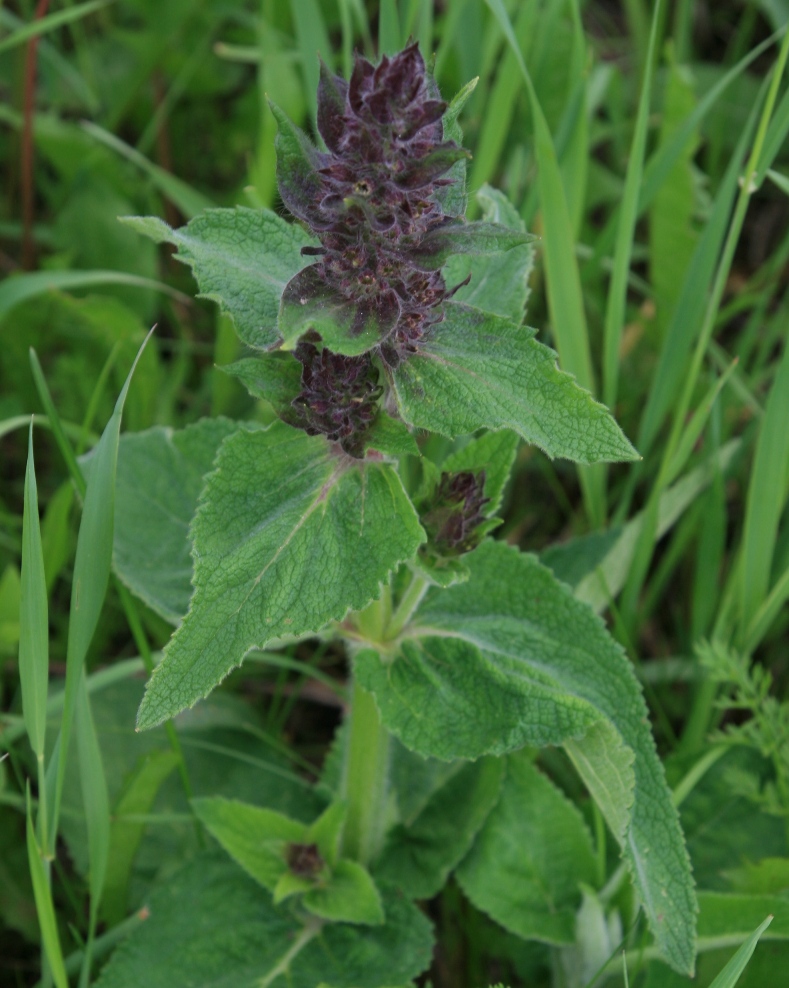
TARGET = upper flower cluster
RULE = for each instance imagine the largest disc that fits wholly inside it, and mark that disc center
(372, 202)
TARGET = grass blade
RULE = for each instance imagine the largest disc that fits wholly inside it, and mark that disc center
(189, 201)
(96, 804)
(91, 572)
(33, 619)
(766, 497)
(617, 293)
(24, 286)
(388, 28)
(313, 41)
(730, 975)
(563, 282)
(50, 22)
(44, 906)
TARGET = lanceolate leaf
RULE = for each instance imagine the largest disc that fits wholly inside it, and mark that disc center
(510, 658)
(527, 864)
(211, 925)
(241, 258)
(478, 370)
(288, 537)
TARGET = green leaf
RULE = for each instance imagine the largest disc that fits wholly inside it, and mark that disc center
(344, 325)
(45, 908)
(453, 198)
(160, 475)
(298, 161)
(509, 659)
(287, 538)
(275, 377)
(326, 831)
(498, 284)
(730, 975)
(391, 437)
(254, 837)
(212, 925)
(494, 453)
(41, 25)
(479, 370)
(348, 896)
(241, 258)
(126, 835)
(95, 799)
(480, 238)
(419, 855)
(33, 616)
(527, 864)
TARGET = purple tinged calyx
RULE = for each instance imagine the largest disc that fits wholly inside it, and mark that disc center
(371, 201)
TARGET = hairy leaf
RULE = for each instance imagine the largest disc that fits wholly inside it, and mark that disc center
(288, 537)
(498, 284)
(419, 856)
(478, 370)
(510, 658)
(211, 925)
(242, 259)
(160, 475)
(527, 864)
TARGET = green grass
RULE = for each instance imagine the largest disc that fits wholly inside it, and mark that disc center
(646, 145)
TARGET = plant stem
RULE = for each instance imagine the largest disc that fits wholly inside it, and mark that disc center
(409, 602)
(365, 783)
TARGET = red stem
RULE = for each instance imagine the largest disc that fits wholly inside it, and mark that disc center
(26, 176)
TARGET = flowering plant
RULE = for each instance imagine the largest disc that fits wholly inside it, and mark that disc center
(386, 333)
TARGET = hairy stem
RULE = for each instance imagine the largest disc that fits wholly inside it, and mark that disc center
(365, 783)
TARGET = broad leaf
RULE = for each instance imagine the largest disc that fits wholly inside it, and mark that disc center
(254, 837)
(211, 925)
(288, 537)
(275, 377)
(242, 259)
(391, 437)
(498, 284)
(478, 370)
(419, 856)
(527, 864)
(478, 238)
(509, 659)
(160, 475)
(349, 895)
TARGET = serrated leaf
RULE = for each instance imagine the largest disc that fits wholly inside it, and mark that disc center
(241, 258)
(275, 377)
(453, 198)
(498, 284)
(349, 896)
(288, 537)
(212, 925)
(419, 856)
(478, 238)
(254, 837)
(509, 659)
(160, 475)
(478, 370)
(533, 852)
(298, 161)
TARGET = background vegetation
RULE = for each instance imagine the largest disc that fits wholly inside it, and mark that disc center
(664, 291)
